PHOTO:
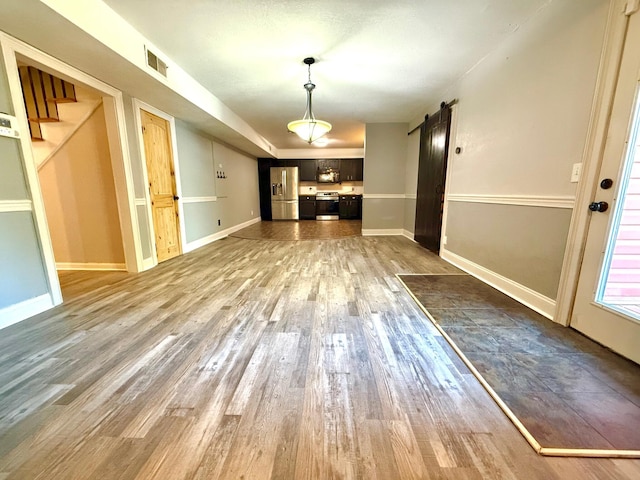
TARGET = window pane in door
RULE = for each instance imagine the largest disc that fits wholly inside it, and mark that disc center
(619, 286)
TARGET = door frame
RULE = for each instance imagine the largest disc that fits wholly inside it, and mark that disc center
(453, 130)
(602, 105)
(139, 105)
(12, 49)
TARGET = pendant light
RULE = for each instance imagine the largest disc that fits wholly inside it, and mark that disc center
(309, 128)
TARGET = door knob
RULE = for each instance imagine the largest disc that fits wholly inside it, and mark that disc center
(598, 206)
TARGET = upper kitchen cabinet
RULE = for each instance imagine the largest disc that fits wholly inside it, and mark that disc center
(351, 170)
(307, 170)
(326, 164)
(288, 162)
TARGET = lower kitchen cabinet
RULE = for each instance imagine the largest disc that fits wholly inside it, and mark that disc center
(307, 207)
(350, 207)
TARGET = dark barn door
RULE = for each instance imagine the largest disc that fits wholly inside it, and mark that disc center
(434, 145)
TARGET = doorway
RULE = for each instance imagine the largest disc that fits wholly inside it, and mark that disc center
(14, 52)
(607, 302)
(432, 170)
(69, 144)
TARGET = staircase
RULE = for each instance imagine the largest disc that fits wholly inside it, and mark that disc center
(42, 93)
(55, 110)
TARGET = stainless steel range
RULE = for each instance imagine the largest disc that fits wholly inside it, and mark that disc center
(327, 206)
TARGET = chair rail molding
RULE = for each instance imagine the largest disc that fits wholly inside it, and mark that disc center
(7, 206)
(547, 201)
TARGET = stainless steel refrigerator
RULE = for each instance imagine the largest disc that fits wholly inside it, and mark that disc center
(284, 193)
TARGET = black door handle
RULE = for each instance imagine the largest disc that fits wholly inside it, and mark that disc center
(175, 197)
(598, 206)
(606, 184)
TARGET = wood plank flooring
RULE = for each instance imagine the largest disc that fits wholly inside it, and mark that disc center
(256, 359)
(301, 230)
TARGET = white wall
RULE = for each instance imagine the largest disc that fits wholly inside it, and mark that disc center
(524, 110)
(522, 121)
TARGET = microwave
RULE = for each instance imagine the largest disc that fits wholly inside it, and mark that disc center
(328, 176)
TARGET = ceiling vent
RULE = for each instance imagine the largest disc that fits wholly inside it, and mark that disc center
(154, 62)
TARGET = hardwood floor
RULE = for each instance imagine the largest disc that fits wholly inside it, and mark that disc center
(301, 230)
(256, 359)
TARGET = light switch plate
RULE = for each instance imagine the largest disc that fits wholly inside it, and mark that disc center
(575, 172)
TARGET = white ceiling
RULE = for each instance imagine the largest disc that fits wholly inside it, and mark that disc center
(377, 60)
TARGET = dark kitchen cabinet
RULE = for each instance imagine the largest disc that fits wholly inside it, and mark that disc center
(351, 170)
(307, 171)
(350, 207)
(307, 207)
(326, 164)
(287, 162)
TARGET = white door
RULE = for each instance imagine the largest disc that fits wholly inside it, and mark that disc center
(607, 303)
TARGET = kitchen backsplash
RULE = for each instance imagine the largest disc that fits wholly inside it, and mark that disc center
(311, 188)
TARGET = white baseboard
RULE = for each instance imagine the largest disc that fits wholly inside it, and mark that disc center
(371, 232)
(532, 299)
(20, 311)
(409, 235)
(191, 246)
(120, 267)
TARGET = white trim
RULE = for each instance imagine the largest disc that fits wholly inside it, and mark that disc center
(114, 113)
(28, 308)
(520, 200)
(409, 235)
(148, 263)
(120, 267)
(7, 206)
(140, 202)
(10, 47)
(411, 196)
(453, 133)
(191, 246)
(198, 199)
(384, 195)
(374, 232)
(118, 144)
(532, 299)
(138, 106)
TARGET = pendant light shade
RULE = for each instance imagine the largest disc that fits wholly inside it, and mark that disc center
(309, 128)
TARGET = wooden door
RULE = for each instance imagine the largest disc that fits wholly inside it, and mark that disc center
(434, 145)
(162, 185)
